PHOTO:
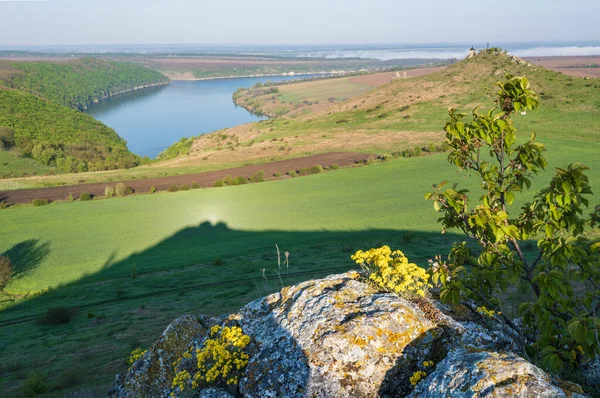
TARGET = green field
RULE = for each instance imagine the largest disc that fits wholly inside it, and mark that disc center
(131, 265)
(13, 165)
(341, 88)
(86, 253)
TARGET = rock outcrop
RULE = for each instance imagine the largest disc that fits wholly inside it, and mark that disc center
(337, 337)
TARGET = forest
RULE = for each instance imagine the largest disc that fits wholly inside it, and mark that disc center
(79, 83)
(58, 136)
(40, 118)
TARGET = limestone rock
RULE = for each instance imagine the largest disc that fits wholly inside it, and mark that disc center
(471, 373)
(338, 337)
(151, 375)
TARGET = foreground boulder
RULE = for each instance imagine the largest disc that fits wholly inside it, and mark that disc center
(337, 337)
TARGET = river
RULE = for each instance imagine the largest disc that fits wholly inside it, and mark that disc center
(153, 118)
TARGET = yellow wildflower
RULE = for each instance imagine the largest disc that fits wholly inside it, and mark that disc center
(392, 272)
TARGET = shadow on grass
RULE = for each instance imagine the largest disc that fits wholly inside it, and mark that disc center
(27, 256)
(228, 256)
(180, 275)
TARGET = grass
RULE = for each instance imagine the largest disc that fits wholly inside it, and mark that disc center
(340, 88)
(83, 255)
(299, 98)
(411, 112)
(12, 165)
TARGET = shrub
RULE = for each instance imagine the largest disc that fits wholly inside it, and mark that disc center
(57, 316)
(431, 147)
(7, 138)
(385, 157)
(3, 205)
(153, 189)
(184, 187)
(292, 173)
(277, 174)
(70, 198)
(258, 177)
(35, 384)
(218, 183)
(109, 191)
(123, 190)
(228, 180)
(391, 271)
(334, 166)
(241, 180)
(304, 171)
(560, 315)
(173, 188)
(85, 196)
(417, 151)
(6, 271)
(316, 169)
(195, 185)
(370, 160)
(40, 202)
(221, 360)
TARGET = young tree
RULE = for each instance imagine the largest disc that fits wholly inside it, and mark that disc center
(561, 321)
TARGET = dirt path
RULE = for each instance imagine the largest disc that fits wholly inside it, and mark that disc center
(206, 179)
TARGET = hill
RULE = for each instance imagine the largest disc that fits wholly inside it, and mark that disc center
(409, 113)
(135, 263)
(301, 98)
(35, 115)
(78, 83)
(59, 137)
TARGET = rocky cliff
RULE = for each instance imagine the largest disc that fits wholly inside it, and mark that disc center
(337, 337)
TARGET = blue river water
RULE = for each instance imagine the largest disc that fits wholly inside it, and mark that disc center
(152, 119)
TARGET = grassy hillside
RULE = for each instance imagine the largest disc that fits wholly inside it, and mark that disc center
(78, 83)
(298, 98)
(89, 252)
(58, 137)
(136, 263)
(411, 112)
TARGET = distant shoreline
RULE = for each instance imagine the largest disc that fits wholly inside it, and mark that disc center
(248, 76)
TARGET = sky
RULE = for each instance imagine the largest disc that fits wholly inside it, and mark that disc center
(268, 22)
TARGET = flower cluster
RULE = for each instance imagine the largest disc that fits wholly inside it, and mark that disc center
(223, 357)
(221, 360)
(489, 313)
(417, 377)
(428, 364)
(392, 272)
(135, 355)
(181, 380)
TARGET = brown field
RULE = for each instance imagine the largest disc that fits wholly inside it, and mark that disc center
(205, 180)
(588, 66)
(380, 79)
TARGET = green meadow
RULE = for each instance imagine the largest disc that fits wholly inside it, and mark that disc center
(131, 265)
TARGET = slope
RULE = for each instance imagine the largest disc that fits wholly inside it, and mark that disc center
(409, 113)
(78, 83)
(59, 137)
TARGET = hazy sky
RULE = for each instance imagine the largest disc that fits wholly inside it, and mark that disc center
(46, 22)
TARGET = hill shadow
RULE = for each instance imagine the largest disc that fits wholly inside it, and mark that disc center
(244, 254)
(182, 270)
